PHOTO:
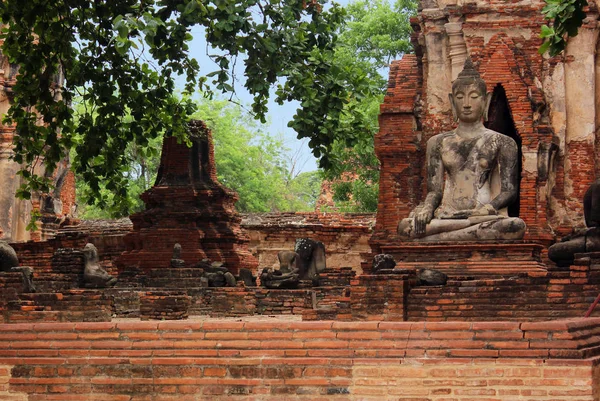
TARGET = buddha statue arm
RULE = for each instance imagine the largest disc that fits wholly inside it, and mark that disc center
(423, 213)
(509, 174)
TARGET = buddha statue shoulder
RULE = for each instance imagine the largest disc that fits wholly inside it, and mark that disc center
(472, 175)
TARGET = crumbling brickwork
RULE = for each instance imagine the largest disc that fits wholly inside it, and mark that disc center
(275, 360)
(189, 206)
(552, 104)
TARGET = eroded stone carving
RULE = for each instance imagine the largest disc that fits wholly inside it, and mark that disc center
(94, 275)
(219, 276)
(431, 277)
(9, 262)
(586, 240)
(8, 257)
(480, 166)
(277, 279)
(311, 258)
(176, 260)
(383, 262)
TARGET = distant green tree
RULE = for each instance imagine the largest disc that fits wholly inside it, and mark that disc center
(254, 164)
(249, 161)
(375, 33)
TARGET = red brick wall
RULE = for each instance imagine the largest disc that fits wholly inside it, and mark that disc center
(503, 40)
(278, 360)
(345, 235)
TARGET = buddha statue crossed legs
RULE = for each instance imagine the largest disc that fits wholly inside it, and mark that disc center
(481, 175)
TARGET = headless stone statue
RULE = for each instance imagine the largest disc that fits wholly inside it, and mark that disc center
(94, 276)
(9, 262)
(480, 170)
(311, 258)
(8, 257)
(586, 240)
(176, 260)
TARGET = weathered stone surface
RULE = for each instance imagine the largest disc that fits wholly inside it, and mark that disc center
(383, 262)
(431, 277)
(94, 276)
(311, 258)
(276, 279)
(472, 175)
(288, 261)
(8, 257)
(15, 213)
(559, 155)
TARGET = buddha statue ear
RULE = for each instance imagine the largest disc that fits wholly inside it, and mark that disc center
(488, 102)
(453, 107)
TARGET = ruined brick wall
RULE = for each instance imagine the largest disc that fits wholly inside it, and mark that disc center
(552, 102)
(275, 360)
(345, 236)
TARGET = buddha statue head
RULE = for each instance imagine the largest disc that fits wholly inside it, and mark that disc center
(469, 98)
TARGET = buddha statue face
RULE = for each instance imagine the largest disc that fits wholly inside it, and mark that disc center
(469, 103)
(469, 98)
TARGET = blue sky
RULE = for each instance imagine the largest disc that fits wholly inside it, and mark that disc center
(279, 116)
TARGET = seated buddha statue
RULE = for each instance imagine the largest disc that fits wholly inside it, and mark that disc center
(472, 175)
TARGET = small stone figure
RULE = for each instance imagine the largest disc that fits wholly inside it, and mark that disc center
(9, 262)
(472, 175)
(586, 240)
(94, 276)
(8, 257)
(383, 262)
(219, 276)
(176, 260)
(311, 258)
(27, 273)
(429, 277)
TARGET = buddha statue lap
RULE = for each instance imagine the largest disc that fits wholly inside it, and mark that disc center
(472, 175)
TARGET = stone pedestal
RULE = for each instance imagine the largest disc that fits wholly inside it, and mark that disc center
(188, 206)
(469, 258)
(382, 296)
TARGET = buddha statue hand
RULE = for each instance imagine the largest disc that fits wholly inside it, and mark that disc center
(485, 210)
(422, 215)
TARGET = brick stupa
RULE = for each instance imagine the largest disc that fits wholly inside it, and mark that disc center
(187, 205)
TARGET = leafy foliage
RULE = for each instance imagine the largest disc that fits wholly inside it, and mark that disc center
(375, 33)
(255, 165)
(566, 16)
(249, 161)
(122, 58)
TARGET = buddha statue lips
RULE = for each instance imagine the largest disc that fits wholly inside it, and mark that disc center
(480, 166)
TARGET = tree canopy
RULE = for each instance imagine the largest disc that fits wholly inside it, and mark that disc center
(258, 166)
(375, 33)
(122, 59)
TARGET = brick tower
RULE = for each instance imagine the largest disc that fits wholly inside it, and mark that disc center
(189, 206)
